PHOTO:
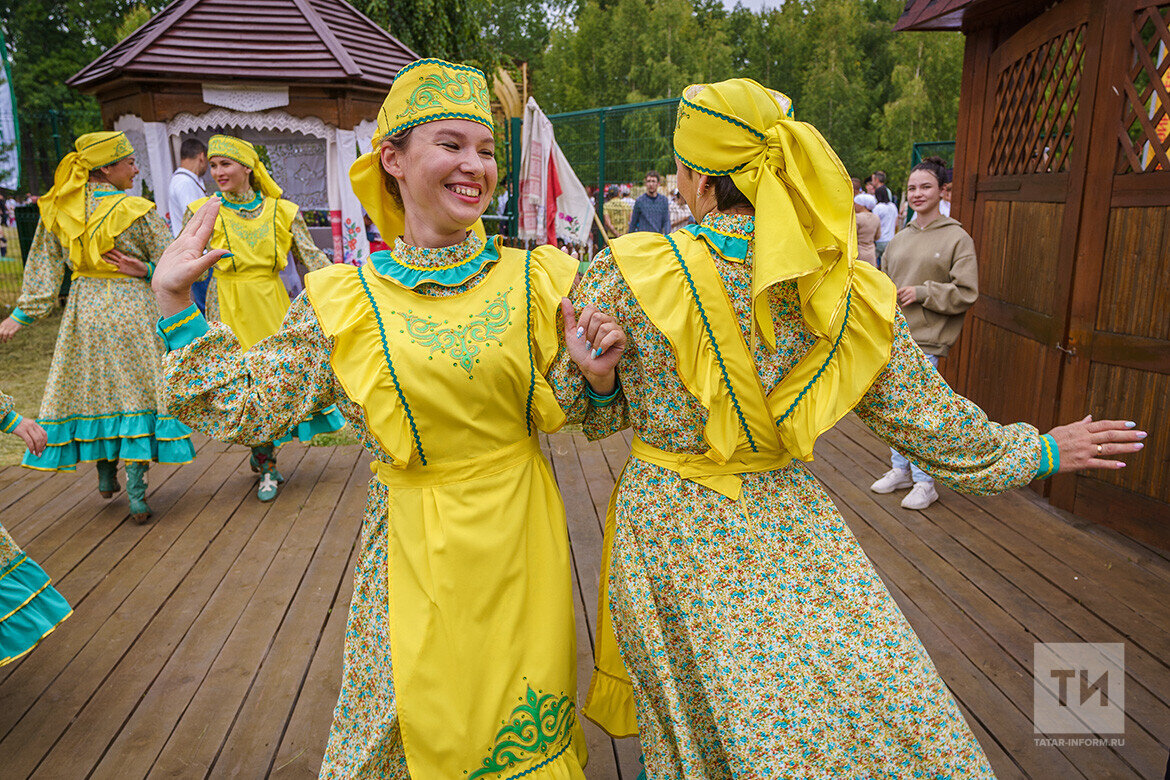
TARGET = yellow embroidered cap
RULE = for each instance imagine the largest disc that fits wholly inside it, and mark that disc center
(245, 154)
(424, 91)
(801, 193)
(63, 206)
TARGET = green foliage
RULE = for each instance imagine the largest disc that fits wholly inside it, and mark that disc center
(134, 18)
(446, 29)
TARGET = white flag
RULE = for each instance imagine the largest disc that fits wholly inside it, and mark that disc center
(553, 202)
(9, 139)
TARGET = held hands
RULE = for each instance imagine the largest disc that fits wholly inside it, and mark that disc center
(130, 266)
(907, 296)
(1090, 444)
(34, 436)
(184, 261)
(595, 343)
(8, 329)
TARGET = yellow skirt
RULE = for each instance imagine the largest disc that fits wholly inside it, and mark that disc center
(252, 304)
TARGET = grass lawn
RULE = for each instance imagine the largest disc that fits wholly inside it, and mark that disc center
(24, 368)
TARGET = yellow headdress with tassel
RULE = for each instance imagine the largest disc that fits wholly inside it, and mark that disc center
(245, 154)
(423, 91)
(63, 207)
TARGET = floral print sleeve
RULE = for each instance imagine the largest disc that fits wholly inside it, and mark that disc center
(252, 397)
(43, 274)
(604, 287)
(7, 405)
(913, 409)
(304, 250)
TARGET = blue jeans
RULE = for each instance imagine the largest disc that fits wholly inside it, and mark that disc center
(901, 462)
(199, 293)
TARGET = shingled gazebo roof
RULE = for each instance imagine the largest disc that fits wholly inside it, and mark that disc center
(958, 14)
(318, 41)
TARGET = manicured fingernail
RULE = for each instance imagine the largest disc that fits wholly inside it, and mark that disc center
(597, 353)
(1141, 434)
(588, 345)
(1138, 446)
(1120, 465)
(227, 254)
(1131, 424)
(580, 332)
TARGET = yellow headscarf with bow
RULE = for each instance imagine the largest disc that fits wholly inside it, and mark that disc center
(245, 154)
(805, 224)
(63, 207)
(423, 91)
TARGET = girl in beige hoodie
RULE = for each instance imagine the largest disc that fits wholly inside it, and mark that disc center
(932, 262)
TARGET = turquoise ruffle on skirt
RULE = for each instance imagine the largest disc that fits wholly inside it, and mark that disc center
(324, 421)
(139, 436)
(30, 608)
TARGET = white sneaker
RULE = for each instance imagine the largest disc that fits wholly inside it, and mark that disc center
(920, 496)
(894, 479)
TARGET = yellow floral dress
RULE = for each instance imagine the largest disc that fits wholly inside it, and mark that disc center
(758, 637)
(102, 397)
(30, 608)
(459, 655)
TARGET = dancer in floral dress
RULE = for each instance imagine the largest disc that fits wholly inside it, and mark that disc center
(740, 619)
(460, 656)
(258, 229)
(101, 403)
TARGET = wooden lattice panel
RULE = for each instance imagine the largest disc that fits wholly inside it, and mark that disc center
(1036, 108)
(1144, 131)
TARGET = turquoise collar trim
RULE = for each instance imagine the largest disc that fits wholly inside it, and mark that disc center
(253, 204)
(104, 193)
(731, 248)
(390, 267)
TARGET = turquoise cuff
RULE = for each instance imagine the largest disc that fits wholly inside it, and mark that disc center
(149, 270)
(1049, 457)
(602, 401)
(21, 317)
(10, 421)
(179, 330)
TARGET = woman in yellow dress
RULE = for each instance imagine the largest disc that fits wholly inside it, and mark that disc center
(258, 229)
(102, 400)
(741, 620)
(460, 652)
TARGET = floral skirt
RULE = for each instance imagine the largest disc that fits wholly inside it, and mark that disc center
(762, 643)
(102, 400)
(30, 608)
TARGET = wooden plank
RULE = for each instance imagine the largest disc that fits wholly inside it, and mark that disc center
(303, 745)
(248, 611)
(251, 746)
(103, 628)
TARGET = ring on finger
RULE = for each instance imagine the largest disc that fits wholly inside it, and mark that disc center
(1099, 449)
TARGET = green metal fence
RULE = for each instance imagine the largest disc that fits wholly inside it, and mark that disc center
(618, 144)
(943, 149)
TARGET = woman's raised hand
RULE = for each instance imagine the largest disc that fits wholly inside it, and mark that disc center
(184, 261)
(1096, 444)
(595, 342)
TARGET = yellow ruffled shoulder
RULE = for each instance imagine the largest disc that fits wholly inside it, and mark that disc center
(550, 275)
(340, 298)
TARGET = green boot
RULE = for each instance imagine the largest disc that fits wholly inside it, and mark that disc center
(108, 478)
(136, 491)
(265, 453)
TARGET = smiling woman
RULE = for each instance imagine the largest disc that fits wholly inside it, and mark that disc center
(460, 654)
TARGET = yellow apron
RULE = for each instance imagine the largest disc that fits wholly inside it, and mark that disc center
(252, 298)
(747, 430)
(482, 639)
(111, 216)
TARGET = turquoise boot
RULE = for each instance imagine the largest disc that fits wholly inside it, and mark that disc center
(136, 491)
(108, 478)
(264, 461)
(268, 452)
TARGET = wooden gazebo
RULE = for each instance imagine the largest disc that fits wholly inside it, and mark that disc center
(1062, 174)
(303, 77)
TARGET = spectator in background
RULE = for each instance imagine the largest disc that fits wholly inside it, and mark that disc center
(680, 212)
(651, 210)
(186, 187)
(615, 212)
(856, 185)
(944, 206)
(932, 263)
(869, 227)
(887, 213)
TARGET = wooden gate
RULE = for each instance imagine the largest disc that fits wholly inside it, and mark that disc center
(1064, 179)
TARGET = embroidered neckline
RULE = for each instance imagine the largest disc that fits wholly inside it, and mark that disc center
(737, 225)
(727, 246)
(241, 205)
(449, 266)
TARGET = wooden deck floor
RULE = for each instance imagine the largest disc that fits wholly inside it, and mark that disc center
(209, 643)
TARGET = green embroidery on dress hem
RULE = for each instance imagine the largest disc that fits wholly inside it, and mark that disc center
(462, 341)
(540, 723)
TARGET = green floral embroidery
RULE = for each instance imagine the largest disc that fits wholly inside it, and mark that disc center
(540, 727)
(462, 341)
(251, 234)
(438, 90)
